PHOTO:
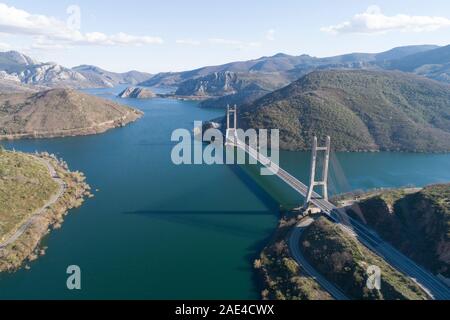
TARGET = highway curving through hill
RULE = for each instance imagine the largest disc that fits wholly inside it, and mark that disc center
(53, 199)
(429, 282)
(294, 247)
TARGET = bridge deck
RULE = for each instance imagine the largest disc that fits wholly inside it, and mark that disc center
(293, 182)
(430, 283)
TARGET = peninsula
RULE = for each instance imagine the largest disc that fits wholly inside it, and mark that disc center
(36, 192)
(59, 113)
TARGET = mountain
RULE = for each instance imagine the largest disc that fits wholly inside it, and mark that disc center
(359, 109)
(214, 84)
(434, 64)
(59, 112)
(21, 68)
(288, 66)
(245, 96)
(227, 82)
(402, 52)
(410, 63)
(53, 75)
(277, 63)
(275, 72)
(372, 58)
(136, 93)
(103, 78)
(13, 61)
(226, 87)
(415, 222)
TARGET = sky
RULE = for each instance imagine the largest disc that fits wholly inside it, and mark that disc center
(175, 35)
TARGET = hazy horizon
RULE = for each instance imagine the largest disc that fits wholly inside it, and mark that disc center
(176, 36)
(201, 66)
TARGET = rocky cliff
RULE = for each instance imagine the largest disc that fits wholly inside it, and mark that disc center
(18, 67)
(136, 93)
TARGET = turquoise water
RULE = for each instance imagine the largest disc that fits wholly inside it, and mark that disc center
(159, 231)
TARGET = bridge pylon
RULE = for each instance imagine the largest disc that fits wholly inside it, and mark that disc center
(231, 133)
(312, 180)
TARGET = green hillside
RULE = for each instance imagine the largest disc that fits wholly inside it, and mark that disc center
(344, 261)
(417, 223)
(361, 110)
(25, 185)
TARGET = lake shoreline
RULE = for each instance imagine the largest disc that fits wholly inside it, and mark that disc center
(132, 168)
(25, 247)
(132, 116)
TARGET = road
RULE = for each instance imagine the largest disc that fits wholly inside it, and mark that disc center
(53, 199)
(294, 247)
(429, 282)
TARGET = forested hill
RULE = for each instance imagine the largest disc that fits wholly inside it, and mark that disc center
(361, 110)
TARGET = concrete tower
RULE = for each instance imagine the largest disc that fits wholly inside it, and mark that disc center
(312, 181)
(231, 133)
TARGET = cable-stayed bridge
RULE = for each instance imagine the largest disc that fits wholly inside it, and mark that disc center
(429, 282)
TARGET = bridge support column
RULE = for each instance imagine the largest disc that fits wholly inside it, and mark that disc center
(312, 180)
(231, 133)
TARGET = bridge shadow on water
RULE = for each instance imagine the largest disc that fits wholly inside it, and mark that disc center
(199, 212)
(199, 219)
(262, 195)
(256, 248)
(180, 215)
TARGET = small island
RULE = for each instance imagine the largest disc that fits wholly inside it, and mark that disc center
(137, 93)
(36, 192)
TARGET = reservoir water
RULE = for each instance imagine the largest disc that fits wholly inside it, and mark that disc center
(155, 230)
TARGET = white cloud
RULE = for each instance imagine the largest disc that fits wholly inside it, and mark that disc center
(43, 45)
(270, 35)
(52, 31)
(374, 21)
(118, 39)
(189, 42)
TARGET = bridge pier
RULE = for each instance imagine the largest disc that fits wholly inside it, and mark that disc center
(231, 131)
(312, 180)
